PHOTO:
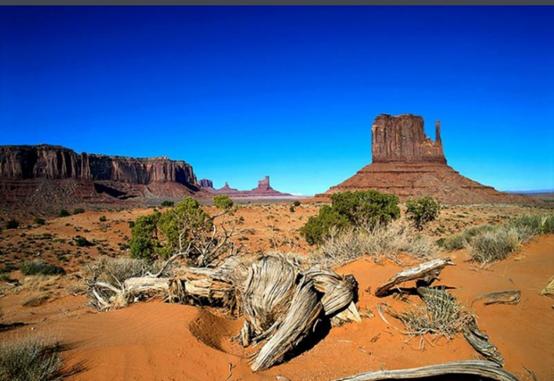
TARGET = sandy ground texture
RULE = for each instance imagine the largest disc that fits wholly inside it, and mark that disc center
(158, 341)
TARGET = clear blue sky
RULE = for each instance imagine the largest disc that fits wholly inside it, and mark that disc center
(290, 92)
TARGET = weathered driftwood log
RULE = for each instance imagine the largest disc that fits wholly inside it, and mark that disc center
(480, 342)
(486, 369)
(501, 297)
(427, 272)
(298, 322)
(281, 303)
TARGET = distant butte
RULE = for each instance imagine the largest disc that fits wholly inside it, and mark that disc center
(409, 164)
(263, 190)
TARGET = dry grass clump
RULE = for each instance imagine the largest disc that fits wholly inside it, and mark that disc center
(38, 267)
(116, 270)
(441, 315)
(30, 359)
(378, 241)
(496, 245)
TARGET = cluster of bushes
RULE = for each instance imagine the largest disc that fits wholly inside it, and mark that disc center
(487, 243)
(38, 267)
(12, 224)
(351, 209)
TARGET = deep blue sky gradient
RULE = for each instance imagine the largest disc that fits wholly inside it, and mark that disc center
(290, 92)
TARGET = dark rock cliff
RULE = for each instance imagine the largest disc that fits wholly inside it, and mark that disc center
(55, 162)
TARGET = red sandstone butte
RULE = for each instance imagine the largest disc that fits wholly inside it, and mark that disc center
(409, 164)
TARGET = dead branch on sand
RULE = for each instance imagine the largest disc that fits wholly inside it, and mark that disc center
(426, 272)
(501, 297)
(485, 369)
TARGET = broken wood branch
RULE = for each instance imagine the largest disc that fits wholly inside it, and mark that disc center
(426, 272)
(501, 297)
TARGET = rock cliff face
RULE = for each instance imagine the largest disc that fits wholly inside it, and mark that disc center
(408, 164)
(402, 138)
(46, 177)
(55, 162)
(206, 183)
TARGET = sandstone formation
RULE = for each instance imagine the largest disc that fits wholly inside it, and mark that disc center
(47, 177)
(206, 183)
(409, 164)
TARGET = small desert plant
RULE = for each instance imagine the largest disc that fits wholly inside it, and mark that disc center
(223, 202)
(292, 209)
(39, 221)
(167, 203)
(296, 203)
(422, 210)
(117, 270)
(494, 245)
(461, 240)
(38, 267)
(78, 210)
(144, 242)
(64, 213)
(81, 241)
(534, 224)
(441, 314)
(102, 219)
(30, 360)
(12, 224)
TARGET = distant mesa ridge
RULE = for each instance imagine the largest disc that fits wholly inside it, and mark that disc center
(409, 164)
(263, 189)
(49, 177)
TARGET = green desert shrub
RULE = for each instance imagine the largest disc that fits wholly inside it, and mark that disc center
(102, 219)
(38, 267)
(319, 227)
(78, 210)
(64, 213)
(296, 203)
(144, 241)
(39, 221)
(422, 211)
(167, 203)
(223, 202)
(366, 207)
(351, 209)
(12, 224)
(159, 234)
(30, 360)
(494, 245)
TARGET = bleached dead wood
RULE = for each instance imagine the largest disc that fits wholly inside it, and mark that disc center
(299, 320)
(486, 369)
(427, 272)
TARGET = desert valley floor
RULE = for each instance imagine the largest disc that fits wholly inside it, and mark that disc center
(159, 341)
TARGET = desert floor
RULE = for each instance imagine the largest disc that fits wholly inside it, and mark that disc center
(158, 341)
